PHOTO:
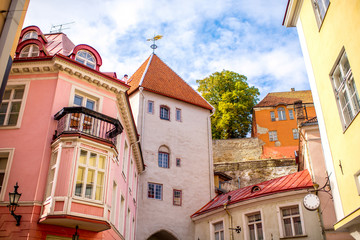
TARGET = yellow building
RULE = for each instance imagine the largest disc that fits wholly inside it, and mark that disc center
(329, 33)
(12, 14)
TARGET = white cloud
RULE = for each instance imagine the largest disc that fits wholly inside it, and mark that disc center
(200, 37)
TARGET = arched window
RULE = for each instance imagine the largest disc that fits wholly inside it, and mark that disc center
(164, 113)
(163, 157)
(30, 35)
(281, 113)
(31, 50)
(86, 58)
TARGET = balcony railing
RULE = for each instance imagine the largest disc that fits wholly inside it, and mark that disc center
(85, 121)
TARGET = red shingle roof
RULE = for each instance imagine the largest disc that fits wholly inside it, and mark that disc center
(286, 98)
(279, 152)
(295, 181)
(155, 76)
(59, 43)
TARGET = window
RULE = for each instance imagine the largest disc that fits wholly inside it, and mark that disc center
(155, 191)
(255, 226)
(4, 163)
(178, 115)
(125, 159)
(86, 58)
(31, 50)
(218, 230)
(295, 133)
(320, 9)
(291, 221)
(291, 114)
(272, 115)
(281, 113)
(151, 107)
(121, 214)
(90, 175)
(30, 35)
(164, 113)
(178, 162)
(273, 136)
(11, 105)
(51, 174)
(163, 160)
(113, 202)
(345, 90)
(78, 120)
(177, 196)
(131, 176)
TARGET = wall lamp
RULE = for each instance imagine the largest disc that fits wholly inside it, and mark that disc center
(14, 199)
(76, 235)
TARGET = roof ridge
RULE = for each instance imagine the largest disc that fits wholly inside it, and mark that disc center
(146, 69)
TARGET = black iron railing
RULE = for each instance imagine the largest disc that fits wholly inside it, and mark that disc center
(88, 122)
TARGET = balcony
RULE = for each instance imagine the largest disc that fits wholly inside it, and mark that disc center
(86, 122)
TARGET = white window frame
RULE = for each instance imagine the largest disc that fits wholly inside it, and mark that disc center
(317, 4)
(161, 162)
(113, 202)
(295, 132)
(32, 50)
(291, 114)
(121, 215)
(125, 159)
(30, 35)
(162, 116)
(212, 228)
(131, 176)
(13, 85)
(10, 153)
(280, 218)
(76, 90)
(54, 167)
(246, 223)
(272, 116)
(342, 91)
(178, 198)
(178, 115)
(273, 136)
(87, 60)
(151, 109)
(86, 167)
(281, 113)
(155, 190)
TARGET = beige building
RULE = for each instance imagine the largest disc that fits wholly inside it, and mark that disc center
(269, 210)
(174, 126)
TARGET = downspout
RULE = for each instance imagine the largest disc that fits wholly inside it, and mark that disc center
(211, 163)
(231, 233)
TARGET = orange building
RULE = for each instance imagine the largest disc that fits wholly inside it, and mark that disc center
(276, 118)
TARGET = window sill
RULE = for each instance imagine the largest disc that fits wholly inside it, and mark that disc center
(10, 127)
(291, 237)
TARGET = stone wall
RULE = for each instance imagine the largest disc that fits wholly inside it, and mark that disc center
(242, 160)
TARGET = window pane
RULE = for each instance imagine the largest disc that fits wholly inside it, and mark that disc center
(90, 104)
(89, 183)
(3, 162)
(3, 107)
(158, 191)
(83, 155)
(2, 119)
(102, 162)
(2, 175)
(297, 226)
(287, 227)
(78, 100)
(252, 232)
(259, 231)
(99, 186)
(92, 160)
(13, 119)
(18, 93)
(7, 95)
(79, 181)
(218, 226)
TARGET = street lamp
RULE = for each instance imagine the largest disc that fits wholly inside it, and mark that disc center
(14, 199)
(76, 235)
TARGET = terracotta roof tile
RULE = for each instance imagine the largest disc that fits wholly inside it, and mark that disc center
(279, 152)
(155, 76)
(311, 121)
(295, 181)
(286, 98)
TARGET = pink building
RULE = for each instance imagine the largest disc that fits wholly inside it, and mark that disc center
(68, 138)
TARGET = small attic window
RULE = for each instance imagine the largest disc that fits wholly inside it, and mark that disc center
(86, 58)
(255, 189)
(31, 50)
(30, 35)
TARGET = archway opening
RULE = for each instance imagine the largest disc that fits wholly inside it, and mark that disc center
(162, 235)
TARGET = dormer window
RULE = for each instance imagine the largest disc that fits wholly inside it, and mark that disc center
(86, 58)
(255, 189)
(31, 50)
(30, 35)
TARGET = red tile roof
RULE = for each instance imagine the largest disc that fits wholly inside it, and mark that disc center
(59, 43)
(295, 181)
(286, 98)
(155, 76)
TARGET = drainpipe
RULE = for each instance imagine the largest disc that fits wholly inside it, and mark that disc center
(231, 233)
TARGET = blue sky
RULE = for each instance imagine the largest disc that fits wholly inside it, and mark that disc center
(199, 37)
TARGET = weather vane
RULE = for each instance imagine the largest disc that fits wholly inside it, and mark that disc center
(155, 38)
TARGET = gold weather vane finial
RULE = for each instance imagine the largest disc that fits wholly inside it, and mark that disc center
(155, 38)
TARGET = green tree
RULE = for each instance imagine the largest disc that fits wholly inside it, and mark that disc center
(233, 99)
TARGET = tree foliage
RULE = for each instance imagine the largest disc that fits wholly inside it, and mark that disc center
(233, 99)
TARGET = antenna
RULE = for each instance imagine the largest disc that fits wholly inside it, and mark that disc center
(59, 28)
(155, 38)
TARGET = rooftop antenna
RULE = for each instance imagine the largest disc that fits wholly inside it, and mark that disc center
(59, 28)
(155, 38)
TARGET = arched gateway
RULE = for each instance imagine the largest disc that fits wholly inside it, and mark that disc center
(162, 235)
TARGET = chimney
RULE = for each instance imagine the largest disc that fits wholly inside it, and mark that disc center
(299, 111)
(293, 89)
